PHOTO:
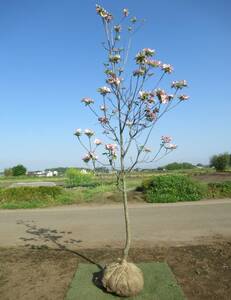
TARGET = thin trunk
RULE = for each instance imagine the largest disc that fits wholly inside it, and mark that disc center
(126, 215)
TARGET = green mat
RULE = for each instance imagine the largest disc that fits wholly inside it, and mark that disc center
(159, 284)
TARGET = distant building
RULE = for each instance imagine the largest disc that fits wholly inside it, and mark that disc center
(47, 173)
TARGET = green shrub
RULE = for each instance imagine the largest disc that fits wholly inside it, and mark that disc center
(29, 194)
(179, 166)
(219, 189)
(8, 172)
(220, 162)
(18, 170)
(77, 178)
(172, 188)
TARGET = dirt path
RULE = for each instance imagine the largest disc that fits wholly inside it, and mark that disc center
(102, 226)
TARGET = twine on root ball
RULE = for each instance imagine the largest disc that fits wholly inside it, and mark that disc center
(123, 278)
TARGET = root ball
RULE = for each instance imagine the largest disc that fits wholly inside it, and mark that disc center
(123, 278)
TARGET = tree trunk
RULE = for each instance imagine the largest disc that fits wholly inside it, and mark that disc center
(126, 215)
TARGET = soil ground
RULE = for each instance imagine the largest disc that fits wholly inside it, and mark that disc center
(213, 177)
(203, 271)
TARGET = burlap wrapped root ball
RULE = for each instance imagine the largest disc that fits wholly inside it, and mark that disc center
(123, 278)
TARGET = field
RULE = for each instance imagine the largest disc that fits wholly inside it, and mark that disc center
(102, 190)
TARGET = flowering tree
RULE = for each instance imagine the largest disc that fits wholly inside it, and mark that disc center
(128, 113)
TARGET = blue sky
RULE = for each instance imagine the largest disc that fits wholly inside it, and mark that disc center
(51, 57)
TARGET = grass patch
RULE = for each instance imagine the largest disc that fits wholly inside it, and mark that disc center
(172, 188)
(28, 197)
(159, 284)
(35, 197)
(219, 189)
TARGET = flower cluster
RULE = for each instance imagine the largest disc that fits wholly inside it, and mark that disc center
(104, 90)
(133, 19)
(87, 101)
(163, 96)
(167, 68)
(146, 96)
(113, 80)
(170, 146)
(148, 52)
(142, 56)
(103, 13)
(179, 84)
(166, 139)
(117, 28)
(183, 97)
(89, 132)
(78, 132)
(115, 59)
(153, 63)
(97, 142)
(166, 143)
(111, 148)
(89, 156)
(150, 114)
(103, 120)
(139, 72)
(125, 12)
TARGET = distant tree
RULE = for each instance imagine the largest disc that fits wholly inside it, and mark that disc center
(220, 162)
(8, 172)
(179, 166)
(19, 170)
(199, 165)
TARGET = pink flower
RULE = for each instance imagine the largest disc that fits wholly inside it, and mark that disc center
(170, 146)
(89, 156)
(179, 84)
(148, 51)
(89, 132)
(150, 115)
(104, 90)
(167, 68)
(111, 147)
(103, 120)
(78, 132)
(143, 95)
(162, 96)
(166, 139)
(154, 63)
(86, 158)
(87, 101)
(112, 150)
(114, 80)
(183, 97)
(139, 72)
(125, 12)
(97, 142)
(103, 13)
